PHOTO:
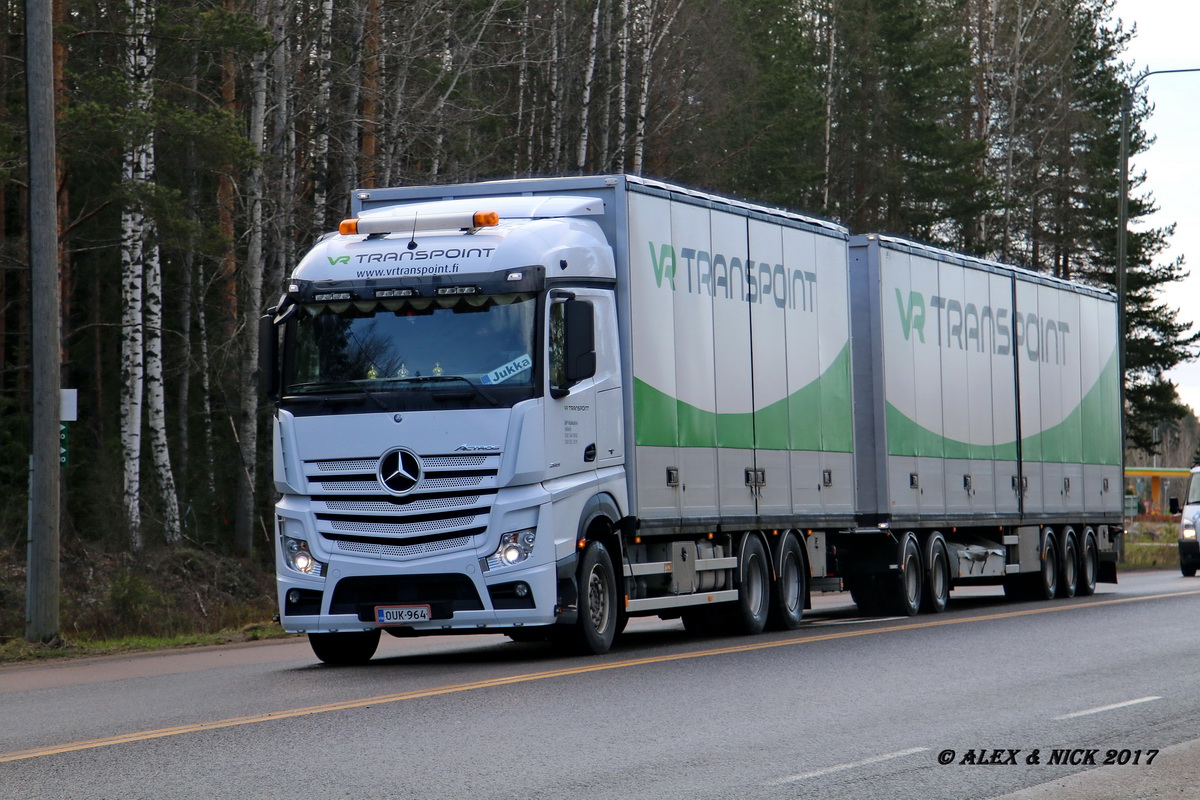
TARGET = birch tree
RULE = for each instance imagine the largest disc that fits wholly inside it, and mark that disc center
(136, 164)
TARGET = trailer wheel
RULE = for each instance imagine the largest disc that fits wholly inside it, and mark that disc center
(1047, 581)
(788, 591)
(597, 626)
(344, 649)
(749, 614)
(1089, 564)
(904, 595)
(937, 578)
(1068, 568)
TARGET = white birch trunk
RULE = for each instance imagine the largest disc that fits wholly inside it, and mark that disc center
(133, 222)
(830, 86)
(320, 156)
(588, 79)
(622, 84)
(247, 417)
(645, 32)
(156, 396)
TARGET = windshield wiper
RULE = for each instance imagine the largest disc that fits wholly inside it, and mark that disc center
(475, 388)
(315, 387)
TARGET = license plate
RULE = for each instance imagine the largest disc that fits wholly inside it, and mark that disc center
(401, 615)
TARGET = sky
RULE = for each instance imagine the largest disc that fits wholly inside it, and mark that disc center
(1166, 39)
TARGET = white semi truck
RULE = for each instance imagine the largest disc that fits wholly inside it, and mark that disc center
(540, 407)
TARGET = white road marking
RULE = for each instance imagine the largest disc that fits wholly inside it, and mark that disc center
(1113, 707)
(817, 773)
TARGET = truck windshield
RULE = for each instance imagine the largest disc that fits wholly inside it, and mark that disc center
(473, 349)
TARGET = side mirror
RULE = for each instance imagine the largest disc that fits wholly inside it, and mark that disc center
(572, 345)
(580, 355)
(1176, 509)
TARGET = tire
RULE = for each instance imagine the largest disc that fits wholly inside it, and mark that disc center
(1046, 582)
(596, 629)
(903, 597)
(937, 578)
(1068, 567)
(1188, 572)
(344, 649)
(749, 613)
(790, 587)
(1089, 565)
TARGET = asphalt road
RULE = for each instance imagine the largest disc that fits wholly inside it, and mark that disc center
(842, 708)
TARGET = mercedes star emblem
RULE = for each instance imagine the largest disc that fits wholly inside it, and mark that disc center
(399, 471)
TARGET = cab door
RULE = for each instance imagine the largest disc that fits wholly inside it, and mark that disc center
(581, 384)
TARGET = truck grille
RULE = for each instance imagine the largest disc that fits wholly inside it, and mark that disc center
(449, 507)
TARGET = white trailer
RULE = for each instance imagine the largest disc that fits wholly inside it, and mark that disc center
(539, 407)
(989, 426)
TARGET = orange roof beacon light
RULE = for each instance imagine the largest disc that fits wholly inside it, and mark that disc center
(412, 223)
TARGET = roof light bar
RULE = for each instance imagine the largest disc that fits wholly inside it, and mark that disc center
(411, 223)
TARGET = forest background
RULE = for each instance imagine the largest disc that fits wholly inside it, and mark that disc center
(203, 145)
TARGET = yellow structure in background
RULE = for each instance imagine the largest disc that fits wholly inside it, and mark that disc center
(1148, 490)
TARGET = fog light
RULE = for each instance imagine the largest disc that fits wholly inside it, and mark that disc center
(521, 589)
(293, 596)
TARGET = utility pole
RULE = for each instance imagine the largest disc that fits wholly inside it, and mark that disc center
(42, 578)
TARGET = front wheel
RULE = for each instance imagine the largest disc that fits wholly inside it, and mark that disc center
(344, 649)
(597, 626)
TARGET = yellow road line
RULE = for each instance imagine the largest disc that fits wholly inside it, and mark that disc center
(233, 722)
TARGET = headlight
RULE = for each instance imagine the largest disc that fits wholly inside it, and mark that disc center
(514, 548)
(1188, 529)
(298, 557)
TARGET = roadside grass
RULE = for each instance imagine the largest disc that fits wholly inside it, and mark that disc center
(115, 602)
(16, 649)
(1151, 545)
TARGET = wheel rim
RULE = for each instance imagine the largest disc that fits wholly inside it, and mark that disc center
(598, 610)
(1069, 568)
(790, 583)
(754, 584)
(912, 579)
(1050, 570)
(1089, 562)
(937, 577)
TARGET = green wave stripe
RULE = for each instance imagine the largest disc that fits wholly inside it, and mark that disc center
(1090, 434)
(816, 417)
